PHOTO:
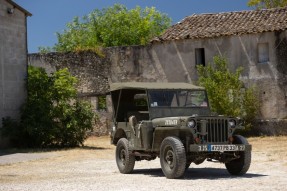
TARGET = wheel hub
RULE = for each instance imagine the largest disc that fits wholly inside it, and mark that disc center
(169, 158)
(123, 156)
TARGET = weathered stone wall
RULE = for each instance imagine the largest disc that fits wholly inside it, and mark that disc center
(13, 61)
(273, 127)
(174, 61)
(91, 70)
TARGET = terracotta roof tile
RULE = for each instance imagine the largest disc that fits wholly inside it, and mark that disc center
(226, 24)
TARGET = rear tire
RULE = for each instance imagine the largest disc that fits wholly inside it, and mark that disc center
(172, 158)
(125, 160)
(241, 165)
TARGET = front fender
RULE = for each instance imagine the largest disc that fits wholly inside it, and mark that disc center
(160, 133)
(118, 134)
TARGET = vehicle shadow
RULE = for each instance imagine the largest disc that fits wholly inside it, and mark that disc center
(198, 173)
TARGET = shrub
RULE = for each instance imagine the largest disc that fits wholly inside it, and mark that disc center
(226, 92)
(52, 115)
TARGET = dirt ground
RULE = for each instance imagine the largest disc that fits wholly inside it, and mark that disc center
(93, 167)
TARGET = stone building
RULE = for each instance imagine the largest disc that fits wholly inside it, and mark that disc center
(13, 58)
(255, 40)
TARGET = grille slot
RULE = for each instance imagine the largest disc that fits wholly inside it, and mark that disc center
(217, 130)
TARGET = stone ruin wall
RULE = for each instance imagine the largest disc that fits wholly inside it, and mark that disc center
(156, 63)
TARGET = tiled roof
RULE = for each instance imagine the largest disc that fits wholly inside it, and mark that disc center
(225, 24)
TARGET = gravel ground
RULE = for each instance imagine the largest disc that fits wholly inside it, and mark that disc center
(94, 168)
(22, 157)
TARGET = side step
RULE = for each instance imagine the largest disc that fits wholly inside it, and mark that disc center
(141, 154)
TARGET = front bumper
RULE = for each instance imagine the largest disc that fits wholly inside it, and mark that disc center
(219, 148)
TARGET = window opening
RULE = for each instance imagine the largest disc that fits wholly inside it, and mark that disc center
(199, 56)
(102, 103)
(263, 52)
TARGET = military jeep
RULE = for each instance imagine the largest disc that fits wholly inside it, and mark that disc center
(173, 121)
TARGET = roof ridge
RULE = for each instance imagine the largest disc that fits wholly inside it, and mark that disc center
(211, 25)
(19, 7)
(242, 11)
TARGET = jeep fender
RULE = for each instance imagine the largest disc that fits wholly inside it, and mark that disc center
(160, 133)
(120, 133)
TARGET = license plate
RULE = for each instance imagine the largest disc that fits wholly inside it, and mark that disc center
(226, 147)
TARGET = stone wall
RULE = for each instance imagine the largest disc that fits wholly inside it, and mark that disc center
(91, 70)
(273, 127)
(13, 61)
(174, 61)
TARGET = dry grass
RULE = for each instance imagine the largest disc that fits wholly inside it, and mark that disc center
(101, 146)
(99, 142)
(95, 148)
(270, 148)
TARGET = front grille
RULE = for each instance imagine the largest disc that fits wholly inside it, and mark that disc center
(217, 130)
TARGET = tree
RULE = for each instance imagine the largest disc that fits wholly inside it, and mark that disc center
(113, 26)
(267, 4)
(52, 115)
(227, 94)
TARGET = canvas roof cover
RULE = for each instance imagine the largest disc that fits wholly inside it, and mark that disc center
(153, 85)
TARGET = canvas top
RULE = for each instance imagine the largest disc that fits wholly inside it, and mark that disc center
(153, 85)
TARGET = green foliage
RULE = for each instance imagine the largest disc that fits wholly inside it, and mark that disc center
(52, 115)
(102, 102)
(267, 4)
(113, 26)
(226, 92)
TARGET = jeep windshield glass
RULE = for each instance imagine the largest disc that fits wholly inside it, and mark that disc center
(173, 98)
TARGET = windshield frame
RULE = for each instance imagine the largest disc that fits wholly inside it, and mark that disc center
(177, 98)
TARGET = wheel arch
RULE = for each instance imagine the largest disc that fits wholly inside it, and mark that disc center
(161, 133)
(239, 139)
(120, 133)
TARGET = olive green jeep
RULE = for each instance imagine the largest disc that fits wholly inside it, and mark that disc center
(173, 121)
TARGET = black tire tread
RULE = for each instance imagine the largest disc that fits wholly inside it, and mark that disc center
(240, 166)
(179, 150)
(130, 159)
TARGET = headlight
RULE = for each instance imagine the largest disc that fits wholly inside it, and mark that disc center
(191, 123)
(232, 123)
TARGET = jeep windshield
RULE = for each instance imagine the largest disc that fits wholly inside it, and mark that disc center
(173, 98)
(168, 103)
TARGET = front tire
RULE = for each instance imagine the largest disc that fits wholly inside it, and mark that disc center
(241, 165)
(125, 160)
(172, 158)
